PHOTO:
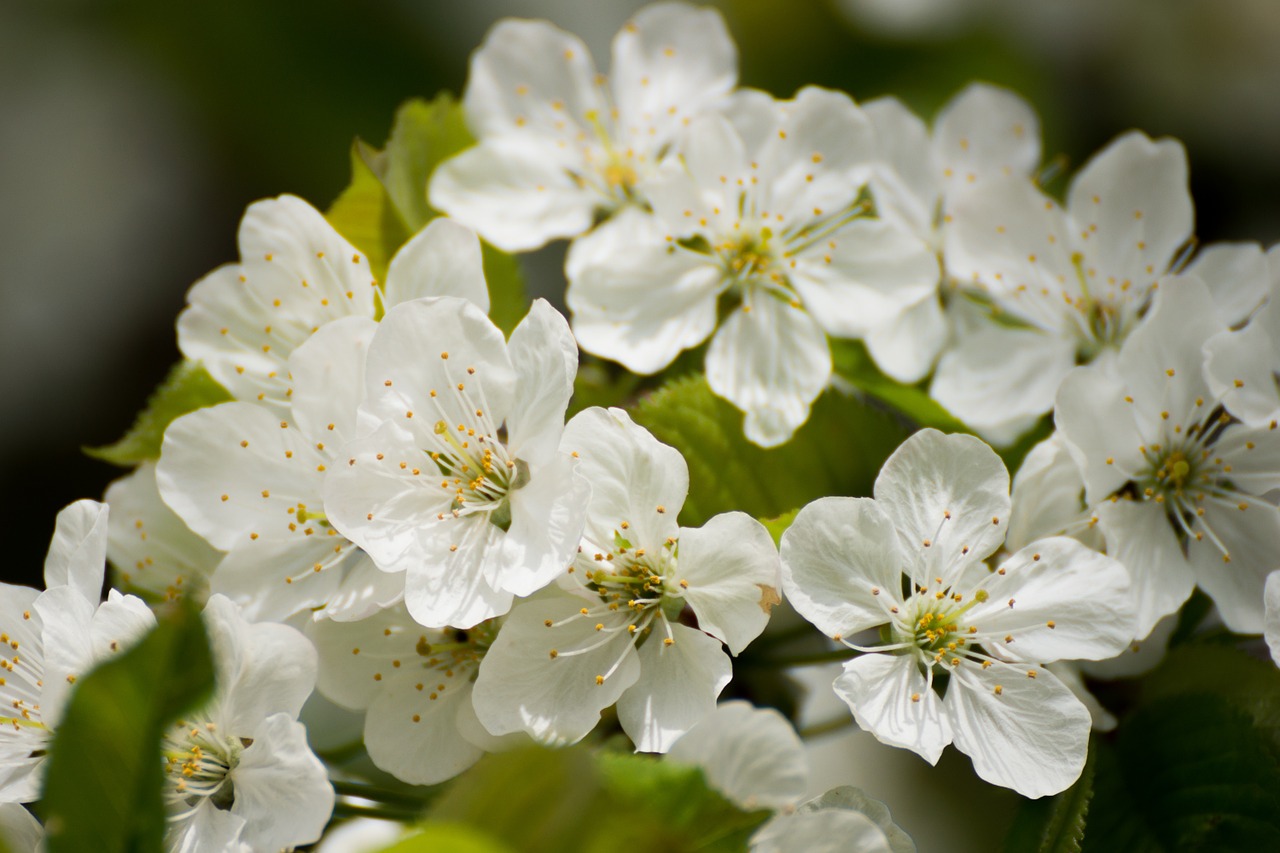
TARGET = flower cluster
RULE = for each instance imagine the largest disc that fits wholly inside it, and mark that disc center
(403, 508)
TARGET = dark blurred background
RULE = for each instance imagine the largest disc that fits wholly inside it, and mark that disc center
(134, 132)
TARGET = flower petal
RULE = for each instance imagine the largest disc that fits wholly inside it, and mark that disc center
(457, 577)
(1252, 537)
(1140, 538)
(77, 554)
(834, 554)
(442, 259)
(547, 516)
(948, 497)
(1238, 278)
(1271, 616)
(411, 733)
(545, 357)
(731, 567)
(892, 700)
(770, 359)
(906, 347)
(1028, 734)
(985, 131)
(281, 788)
(677, 688)
(907, 186)
(328, 380)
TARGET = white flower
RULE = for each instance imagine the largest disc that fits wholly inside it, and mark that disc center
(19, 830)
(1067, 284)
(612, 633)
(764, 214)
(1176, 482)
(458, 482)
(843, 820)
(239, 769)
(152, 549)
(1048, 498)
(51, 638)
(982, 132)
(751, 755)
(243, 321)
(557, 142)
(940, 509)
(251, 483)
(414, 684)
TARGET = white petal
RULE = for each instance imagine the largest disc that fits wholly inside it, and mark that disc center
(1069, 674)
(352, 653)
(1135, 191)
(515, 192)
(1271, 617)
(151, 548)
(262, 668)
(207, 829)
(1047, 495)
(328, 380)
(281, 788)
(615, 274)
(1252, 538)
(978, 383)
(822, 134)
(556, 700)
(733, 574)
(547, 516)
(78, 551)
(948, 497)
(1140, 538)
(65, 616)
(364, 591)
(907, 187)
(751, 755)
(119, 622)
(834, 555)
(1097, 424)
(1032, 736)
(850, 799)
(545, 357)
(985, 131)
(864, 277)
(906, 347)
(1240, 367)
(631, 475)
(892, 700)
(442, 259)
(235, 469)
(1237, 276)
(827, 831)
(677, 688)
(438, 345)
(270, 579)
(521, 71)
(1059, 601)
(770, 359)
(454, 582)
(20, 830)
(412, 733)
(670, 62)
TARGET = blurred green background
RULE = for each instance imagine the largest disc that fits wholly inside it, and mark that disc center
(134, 132)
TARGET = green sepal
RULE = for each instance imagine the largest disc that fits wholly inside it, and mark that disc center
(103, 788)
(187, 387)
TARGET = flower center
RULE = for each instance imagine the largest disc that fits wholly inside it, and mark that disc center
(198, 764)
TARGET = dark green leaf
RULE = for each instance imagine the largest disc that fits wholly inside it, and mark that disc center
(1054, 824)
(187, 387)
(103, 789)
(838, 452)
(779, 524)
(1197, 765)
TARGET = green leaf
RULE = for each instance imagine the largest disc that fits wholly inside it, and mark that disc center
(187, 387)
(103, 789)
(778, 525)
(386, 202)
(365, 214)
(1054, 824)
(434, 837)
(508, 302)
(838, 452)
(854, 364)
(672, 806)
(1196, 766)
